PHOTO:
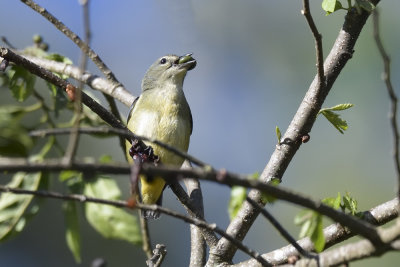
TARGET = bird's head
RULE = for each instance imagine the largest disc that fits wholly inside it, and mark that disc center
(168, 69)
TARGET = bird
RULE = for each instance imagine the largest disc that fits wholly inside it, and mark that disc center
(162, 112)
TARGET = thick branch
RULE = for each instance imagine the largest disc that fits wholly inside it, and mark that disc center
(356, 251)
(333, 234)
(301, 124)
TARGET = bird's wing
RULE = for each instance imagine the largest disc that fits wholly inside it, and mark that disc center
(131, 109)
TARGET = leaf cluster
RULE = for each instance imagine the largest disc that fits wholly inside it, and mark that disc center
(311, 222)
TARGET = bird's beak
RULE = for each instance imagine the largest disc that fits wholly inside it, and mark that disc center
(187, 62)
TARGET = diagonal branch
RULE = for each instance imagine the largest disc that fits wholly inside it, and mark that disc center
(281, 230)
(301, 125)
(101, 84)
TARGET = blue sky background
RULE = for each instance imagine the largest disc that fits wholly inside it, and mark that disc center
(256, 60)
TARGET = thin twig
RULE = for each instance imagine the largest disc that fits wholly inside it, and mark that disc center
(74, 135)
(392, 95)
(122, 132)
(282, 230)
(318, 42)
(4, 40)
(146, 246)
(56, 195)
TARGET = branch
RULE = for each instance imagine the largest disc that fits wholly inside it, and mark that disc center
(74, 135)
(318, 43)
(392, 95)
(158, 256)
(197, 241)
(301, 125)
(281, 230)
(334, 234)
(122, 132)
(357, 250)
(72, 197)
(170, 174)
(208, 235)
(95, 82)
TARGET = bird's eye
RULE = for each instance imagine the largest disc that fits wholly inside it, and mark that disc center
(163, 61)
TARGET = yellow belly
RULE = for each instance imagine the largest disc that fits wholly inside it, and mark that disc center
(173, 130)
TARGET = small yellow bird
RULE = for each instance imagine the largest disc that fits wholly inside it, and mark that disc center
(162, 112)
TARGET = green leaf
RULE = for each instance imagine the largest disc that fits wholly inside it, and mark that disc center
(278, 134)
(338, 107)
(72, 235)
(335, 120)
(333, 202)
(311, 226)
(331, 6)
(350, 203)
(110, 221)
(317, 236)
(14, 211)
(21, 82)
(238, 195)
